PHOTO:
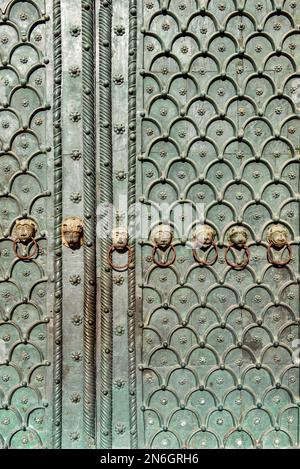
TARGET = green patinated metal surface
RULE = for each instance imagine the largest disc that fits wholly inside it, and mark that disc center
(217, 94)
(26, 193)
(161, 113)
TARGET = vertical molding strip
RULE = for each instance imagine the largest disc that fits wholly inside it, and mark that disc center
(132, 64)
(106, 199)
(89, 159)
(57, 382)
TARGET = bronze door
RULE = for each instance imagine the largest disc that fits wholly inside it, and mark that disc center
(149, 224)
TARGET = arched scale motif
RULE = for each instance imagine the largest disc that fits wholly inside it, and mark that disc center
(25, 340)
(220, 128)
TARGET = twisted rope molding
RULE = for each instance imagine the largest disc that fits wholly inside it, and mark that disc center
(89, 163)
(57, 137)
(131, 218)
(106, 198)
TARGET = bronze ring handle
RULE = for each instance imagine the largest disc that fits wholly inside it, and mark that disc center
(164, 264)
(279, 263)
(233, 264)
(29, 257)
(119, 268)
(202, 261)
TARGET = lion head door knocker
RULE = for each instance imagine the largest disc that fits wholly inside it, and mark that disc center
(25, 234)
(120, 245)
(164, 253)
(278, 239)
(72, 233)
(204, 240)
(237, 239)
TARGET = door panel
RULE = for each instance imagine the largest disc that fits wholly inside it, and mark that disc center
(26, 200)
(217, 91)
